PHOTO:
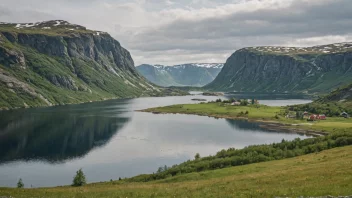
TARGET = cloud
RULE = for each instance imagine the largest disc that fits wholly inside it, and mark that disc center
(173, 32)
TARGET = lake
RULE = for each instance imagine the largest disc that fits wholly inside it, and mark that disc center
(108, 140)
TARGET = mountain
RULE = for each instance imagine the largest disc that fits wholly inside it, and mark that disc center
(55, 62)
(317, 69)
(193, 74)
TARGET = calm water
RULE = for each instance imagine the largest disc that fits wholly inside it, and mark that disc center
(46, 146)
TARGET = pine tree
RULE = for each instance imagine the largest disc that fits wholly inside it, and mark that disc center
(20, 183)
(79, 179)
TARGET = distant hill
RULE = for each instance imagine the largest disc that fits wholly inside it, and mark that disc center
(193, 74)
(318, 69)
(343, 94)
(333, 104)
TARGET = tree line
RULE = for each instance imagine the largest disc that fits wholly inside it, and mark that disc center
(251, 154)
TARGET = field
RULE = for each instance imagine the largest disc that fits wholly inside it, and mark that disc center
(259, 113)
(325, 173)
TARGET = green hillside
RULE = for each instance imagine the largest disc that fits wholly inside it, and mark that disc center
(55, 62)
(319, 174)
(318, 69)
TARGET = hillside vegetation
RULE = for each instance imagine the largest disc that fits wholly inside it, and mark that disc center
(319, 174)
(333, 104)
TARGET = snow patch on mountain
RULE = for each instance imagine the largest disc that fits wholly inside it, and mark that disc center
(183, 66)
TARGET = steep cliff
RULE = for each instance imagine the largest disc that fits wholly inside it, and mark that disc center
(55, 62)
(286, 69)
(192, 74)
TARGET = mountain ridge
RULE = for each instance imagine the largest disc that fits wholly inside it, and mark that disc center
(55, 62)
(317, 69)
(190, 74)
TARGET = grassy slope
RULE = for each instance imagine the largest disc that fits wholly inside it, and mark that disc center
(325, 173)
(259, 113)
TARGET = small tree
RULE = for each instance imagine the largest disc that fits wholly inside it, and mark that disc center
(20, 183)
(197, 156)
(160, 169)
(79, 179)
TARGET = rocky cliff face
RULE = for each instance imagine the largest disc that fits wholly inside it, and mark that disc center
(193, 74)
(284, 69)
(56, 62)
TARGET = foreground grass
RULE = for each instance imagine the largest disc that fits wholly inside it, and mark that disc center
(325, 173)
(260, 113)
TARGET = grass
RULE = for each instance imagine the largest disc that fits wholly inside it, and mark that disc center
(259, 113)
(221, 110)
(325, 173)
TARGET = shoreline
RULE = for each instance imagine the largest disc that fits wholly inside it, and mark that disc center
(4, 109)
(265, 124)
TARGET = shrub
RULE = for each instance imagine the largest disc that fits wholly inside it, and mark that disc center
(20, 183)
(79, 179)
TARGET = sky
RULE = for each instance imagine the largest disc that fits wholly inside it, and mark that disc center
(173, 32)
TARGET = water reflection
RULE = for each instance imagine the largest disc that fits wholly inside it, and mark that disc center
(130, 143)
(59, 133)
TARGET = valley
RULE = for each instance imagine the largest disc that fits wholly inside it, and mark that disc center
(193, 75)
(272, 121)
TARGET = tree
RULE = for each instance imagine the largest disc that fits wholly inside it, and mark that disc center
(244, 102)
(20, 183)
(197, 156)
(160, 169)
(79, 179)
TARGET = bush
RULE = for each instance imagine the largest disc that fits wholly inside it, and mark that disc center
(79, 179)
(20, 183)
(253, 154)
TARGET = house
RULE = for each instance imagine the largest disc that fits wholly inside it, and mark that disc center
(236, 104)
(345, 115)
(322, 117)
(305, 114)
(313, 117)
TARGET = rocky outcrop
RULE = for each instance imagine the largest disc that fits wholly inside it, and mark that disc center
(293, 70)
(10, 58)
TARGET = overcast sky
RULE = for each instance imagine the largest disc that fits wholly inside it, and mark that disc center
(185, 31)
